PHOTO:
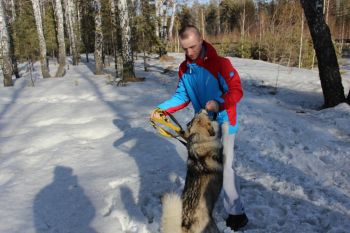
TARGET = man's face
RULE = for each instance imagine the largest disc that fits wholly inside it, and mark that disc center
(192, 46)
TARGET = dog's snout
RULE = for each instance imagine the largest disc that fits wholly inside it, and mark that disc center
(203, 111)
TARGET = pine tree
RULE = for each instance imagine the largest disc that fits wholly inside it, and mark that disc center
(60, 38)
(42, 43)
(114, 36)
(87, 27)
(146, 30)
(11, 34)
(5, 48)
(49, 26)
(25, 36)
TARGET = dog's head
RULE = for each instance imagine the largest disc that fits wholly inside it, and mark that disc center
(202, 126)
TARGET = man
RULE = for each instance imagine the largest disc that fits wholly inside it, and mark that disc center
(209, 81)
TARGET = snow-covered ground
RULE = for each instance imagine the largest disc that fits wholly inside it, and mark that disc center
(78, 155)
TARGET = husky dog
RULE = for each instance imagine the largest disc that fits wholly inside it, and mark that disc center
(192, 213)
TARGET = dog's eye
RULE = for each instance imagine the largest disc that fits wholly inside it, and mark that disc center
(189, 124)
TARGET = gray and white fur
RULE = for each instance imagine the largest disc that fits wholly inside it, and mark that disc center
(192, 212)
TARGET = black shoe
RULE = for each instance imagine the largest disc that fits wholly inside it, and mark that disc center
(237, 221)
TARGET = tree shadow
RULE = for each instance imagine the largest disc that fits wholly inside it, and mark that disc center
(290, 200)
(271, 210)
(17, 91)
(90, 65)
(285, 96)
(62, 206)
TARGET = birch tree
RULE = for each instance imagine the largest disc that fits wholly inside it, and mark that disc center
(72, 26)
(172, 20)
(158, 5)
(128, 65)
(42, 43)
(60, 38)
(243, 18)
(163, 22)
(333, 90)
(98, 38)
(5, 48)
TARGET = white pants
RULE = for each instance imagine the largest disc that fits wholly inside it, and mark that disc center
(232, 200)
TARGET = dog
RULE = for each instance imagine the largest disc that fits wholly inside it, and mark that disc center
(192, 212)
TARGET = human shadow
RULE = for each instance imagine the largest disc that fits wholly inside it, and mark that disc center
(157, 160)
(62, 206)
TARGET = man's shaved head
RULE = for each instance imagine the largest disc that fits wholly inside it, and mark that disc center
(188, 30)
(191, 41)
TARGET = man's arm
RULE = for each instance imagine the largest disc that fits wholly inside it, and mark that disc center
(234, 88)
(178, 101)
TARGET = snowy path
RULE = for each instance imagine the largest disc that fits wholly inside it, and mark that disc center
(77, 155)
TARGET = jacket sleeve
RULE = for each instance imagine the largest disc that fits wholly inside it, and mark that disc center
(234, 91)
(178, 101)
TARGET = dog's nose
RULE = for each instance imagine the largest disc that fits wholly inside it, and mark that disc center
(203, 111)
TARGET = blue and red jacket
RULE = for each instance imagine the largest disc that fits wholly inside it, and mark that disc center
(210, 77)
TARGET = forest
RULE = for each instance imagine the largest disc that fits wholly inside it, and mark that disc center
(79, 79)
(117, 30)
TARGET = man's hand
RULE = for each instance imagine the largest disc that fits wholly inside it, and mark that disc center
(155, 113)
(159, 114)
(212, 106)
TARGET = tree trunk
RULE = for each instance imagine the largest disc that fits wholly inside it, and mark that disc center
(72, 26)
(333, 90)
(243, 18)
(128, 65)
(98, 38)
(158, 5)
(11, 34)
(163, 23)
(301, 41)
(60, 39)
(5, 48)
(42, 43)
(68, 26)
(174, 3)
(114, 35)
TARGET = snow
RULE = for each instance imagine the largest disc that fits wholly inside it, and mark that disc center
(78, 155)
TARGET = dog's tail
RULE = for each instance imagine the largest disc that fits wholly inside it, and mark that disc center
(172, 214)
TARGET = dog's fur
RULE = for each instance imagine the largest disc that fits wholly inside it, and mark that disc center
(192, 213)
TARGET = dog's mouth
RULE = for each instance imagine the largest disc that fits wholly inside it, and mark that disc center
(212, 129)
(211, 132)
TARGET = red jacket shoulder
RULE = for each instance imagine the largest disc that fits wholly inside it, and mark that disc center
(182, 68)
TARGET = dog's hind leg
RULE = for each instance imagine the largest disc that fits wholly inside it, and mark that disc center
(172, 214)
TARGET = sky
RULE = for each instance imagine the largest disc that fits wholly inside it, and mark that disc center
(79, 155)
